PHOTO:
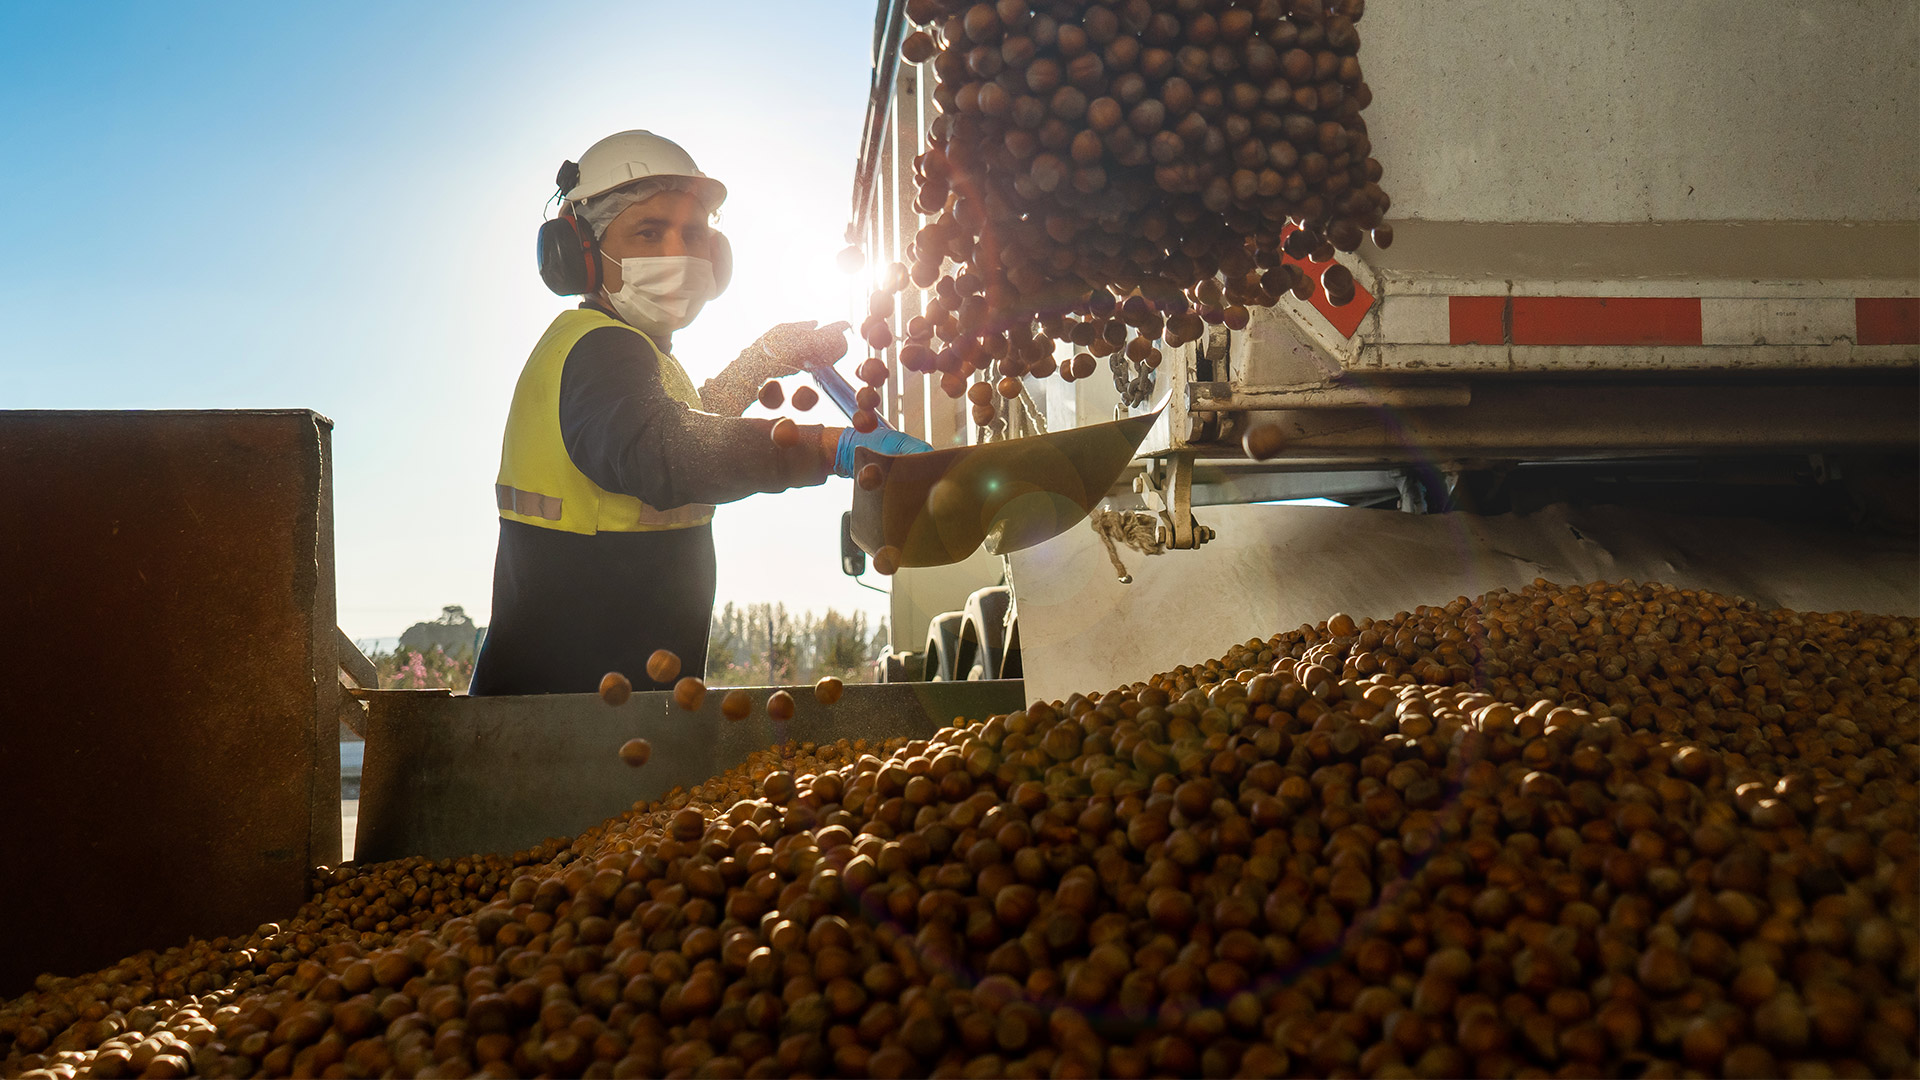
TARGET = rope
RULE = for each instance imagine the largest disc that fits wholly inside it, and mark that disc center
(1035, 418)
(1138, 529)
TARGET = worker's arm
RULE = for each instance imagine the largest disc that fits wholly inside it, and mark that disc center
(627, 434)
(786, 349)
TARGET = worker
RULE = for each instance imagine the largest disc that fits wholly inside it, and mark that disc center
(612, 462)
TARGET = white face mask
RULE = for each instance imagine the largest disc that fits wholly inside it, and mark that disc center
(661, 293)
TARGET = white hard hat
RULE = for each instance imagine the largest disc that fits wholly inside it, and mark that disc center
(622, 158)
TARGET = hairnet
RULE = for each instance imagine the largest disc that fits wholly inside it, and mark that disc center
(599, 211)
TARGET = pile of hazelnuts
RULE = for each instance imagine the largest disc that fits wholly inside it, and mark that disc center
(1612, 829)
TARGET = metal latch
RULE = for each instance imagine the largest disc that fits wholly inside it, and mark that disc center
(1167, 488)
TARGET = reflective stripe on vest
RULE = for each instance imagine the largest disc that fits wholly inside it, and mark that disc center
(538, 483)
(526, 503)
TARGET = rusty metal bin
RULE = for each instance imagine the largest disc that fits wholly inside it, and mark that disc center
(168, 745)
(450, 775)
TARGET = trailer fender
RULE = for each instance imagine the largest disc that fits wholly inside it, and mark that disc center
(943, 646)
(983, 635)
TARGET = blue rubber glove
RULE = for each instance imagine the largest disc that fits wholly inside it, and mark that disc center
(885, 440)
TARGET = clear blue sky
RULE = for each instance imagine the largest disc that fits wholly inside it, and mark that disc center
(333, 207)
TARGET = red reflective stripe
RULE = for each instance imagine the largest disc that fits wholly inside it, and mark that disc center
(1887, 320)
(1637, 320)
(1477, 320)
(1606, 320)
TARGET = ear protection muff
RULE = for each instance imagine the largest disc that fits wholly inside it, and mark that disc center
(569, 259)
(722, 262)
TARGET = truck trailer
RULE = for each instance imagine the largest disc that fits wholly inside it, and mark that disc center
(1654, 286)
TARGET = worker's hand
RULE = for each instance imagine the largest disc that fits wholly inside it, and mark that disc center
(884, 440)
(794, 347)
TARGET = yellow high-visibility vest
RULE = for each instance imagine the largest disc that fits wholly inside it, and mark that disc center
(538, 483)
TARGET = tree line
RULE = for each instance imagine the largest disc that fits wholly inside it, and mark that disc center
(750, 645)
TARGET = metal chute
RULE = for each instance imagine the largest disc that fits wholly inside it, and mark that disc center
(938, 507)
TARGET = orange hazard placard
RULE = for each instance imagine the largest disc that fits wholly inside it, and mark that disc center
(1345, 318)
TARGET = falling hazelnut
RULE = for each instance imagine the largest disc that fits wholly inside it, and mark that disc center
(663, 666)
(785, 433)
(689, 692)
(1263, 441)
(780, 706)
(615, 688)
(636, 752)
(918, 47)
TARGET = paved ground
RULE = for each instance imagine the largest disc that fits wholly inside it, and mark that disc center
(352, 754)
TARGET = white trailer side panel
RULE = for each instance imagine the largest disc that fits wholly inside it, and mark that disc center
(1622, 111)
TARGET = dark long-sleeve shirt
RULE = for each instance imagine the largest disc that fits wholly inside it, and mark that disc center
(569, 607)
(630, 436)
